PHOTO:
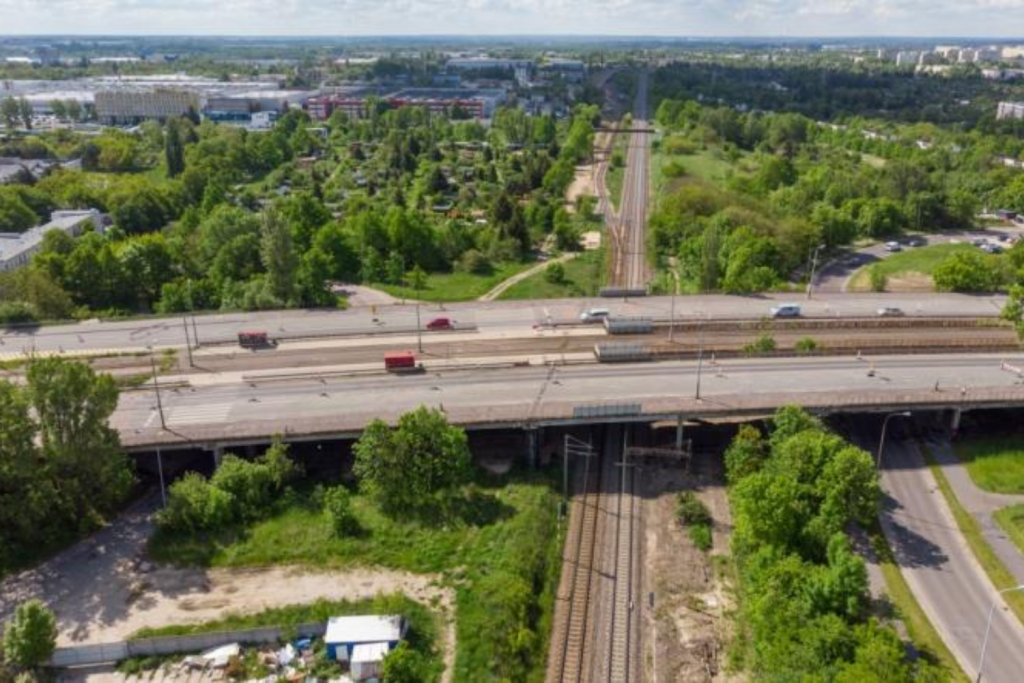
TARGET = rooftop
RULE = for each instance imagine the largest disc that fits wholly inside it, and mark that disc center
(365, 629)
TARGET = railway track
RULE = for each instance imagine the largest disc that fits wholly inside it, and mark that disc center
(620, 650)
(573, 634)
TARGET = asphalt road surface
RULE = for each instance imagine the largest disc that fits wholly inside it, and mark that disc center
(318, 403)
(498, 316)
(946, 579)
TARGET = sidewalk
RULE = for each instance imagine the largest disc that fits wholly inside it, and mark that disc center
(981, 504)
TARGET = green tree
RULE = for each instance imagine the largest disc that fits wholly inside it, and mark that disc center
(10, 113)
(25, 111)
(746, 453)
(278, 257)
(966, 271)
(411, 467)
(15, 215)
(403, 665)
(30, 637)
(174, 149)
(194, 505)
(338, 508)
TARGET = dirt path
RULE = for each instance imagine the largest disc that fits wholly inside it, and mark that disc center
(500, 288)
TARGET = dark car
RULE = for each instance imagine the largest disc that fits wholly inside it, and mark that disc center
(440, 324)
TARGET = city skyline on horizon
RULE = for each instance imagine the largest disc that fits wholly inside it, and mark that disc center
(655, 19)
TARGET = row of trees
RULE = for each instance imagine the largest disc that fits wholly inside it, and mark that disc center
(804, 592)
(61, 465)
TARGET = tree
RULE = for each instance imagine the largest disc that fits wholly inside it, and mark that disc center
(15, 215)
(966, 271)
(30, 637)
(555, 274)
(194, 505)
(745, 454)
(73, 406)
(409, 468)
(10, 112)
(278, 257)
(25, 111)
(403, 665)
(174, 149)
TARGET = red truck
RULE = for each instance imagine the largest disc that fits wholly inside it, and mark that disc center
(400, 361)
(255, 340)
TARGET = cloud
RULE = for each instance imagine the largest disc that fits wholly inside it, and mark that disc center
(632, 17)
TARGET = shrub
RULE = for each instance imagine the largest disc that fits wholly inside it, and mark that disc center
(194, 504)
(806, 345)
(674, 169)
(13, 312)
(691, 510)
(700, 534)
(555, 274)
(879, 280)
(337, 504)
(618, 159)
(473, 261)
(763, 344)
(250, 485)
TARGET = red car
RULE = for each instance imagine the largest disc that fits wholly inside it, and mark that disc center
(440, 324)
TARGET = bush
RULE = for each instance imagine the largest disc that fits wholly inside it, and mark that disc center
(618, 159)
(249, 484)
(555, 274)
(473, 261)
(194, 504)
(691, 510)
(879, 280)
(700, 534)
(763, 344)
(13, 312)
(674, 169)
(337, 504)
(967, 272)
(806, 345)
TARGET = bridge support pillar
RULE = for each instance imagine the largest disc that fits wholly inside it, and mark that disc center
(218, 456)
(679, 431)
(532, 445)
(954, 425)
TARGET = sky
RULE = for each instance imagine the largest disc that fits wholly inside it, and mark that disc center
(980, 18)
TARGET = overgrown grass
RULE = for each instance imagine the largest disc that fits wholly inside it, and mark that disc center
(584, 276)
(997, 572)
(502, 556)
(922, 260)
(616, 175)
(1011, 520)
(455, 286)
(995, 463)
(922, 633)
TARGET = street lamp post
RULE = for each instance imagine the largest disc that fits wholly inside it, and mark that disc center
(885, 425)
(672, 314)
(814, 267)
(988, 627)
(156, 388)
(700, 359)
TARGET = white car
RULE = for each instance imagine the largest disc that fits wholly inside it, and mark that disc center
(890, 312)
(594, 315)
(786, 311)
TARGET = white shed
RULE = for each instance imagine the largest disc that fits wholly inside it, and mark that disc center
(367, 660)
(345, 633)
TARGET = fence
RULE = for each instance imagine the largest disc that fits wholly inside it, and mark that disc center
(106, 653)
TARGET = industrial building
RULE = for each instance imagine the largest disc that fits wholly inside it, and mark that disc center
(1010, 110)
(476, 103)
(17, 248)
(128, 107)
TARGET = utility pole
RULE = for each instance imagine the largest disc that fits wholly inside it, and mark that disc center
(160, 471)
(156, 387)
(191, 364)
(672, 315)
(700, 358)
(419, 329)
(195, 331)
(814, 267)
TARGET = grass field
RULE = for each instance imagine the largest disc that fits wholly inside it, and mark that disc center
(584, 276)
(995, 464)
(501, 555)
(456, 286)
(920, 260)
(616, 174)
(709, 165)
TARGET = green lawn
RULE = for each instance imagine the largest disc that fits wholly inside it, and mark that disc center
(923, 260)
(501, 555)
(584, 276)
(456, 286)
(995, 464)
(710, 165)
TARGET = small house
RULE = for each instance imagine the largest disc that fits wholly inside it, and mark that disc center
(345, 634)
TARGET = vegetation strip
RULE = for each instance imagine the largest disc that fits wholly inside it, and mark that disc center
(998, 574)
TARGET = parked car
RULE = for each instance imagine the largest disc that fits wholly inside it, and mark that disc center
(893, 246)
(255, 340)
(441, 324)
(991, 248)
(890, 312)
(978, 241)
(594, 315)
(786, 311)
(915, 242)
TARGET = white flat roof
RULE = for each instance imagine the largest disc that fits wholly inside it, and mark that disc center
(364, 629)
(370, 652)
